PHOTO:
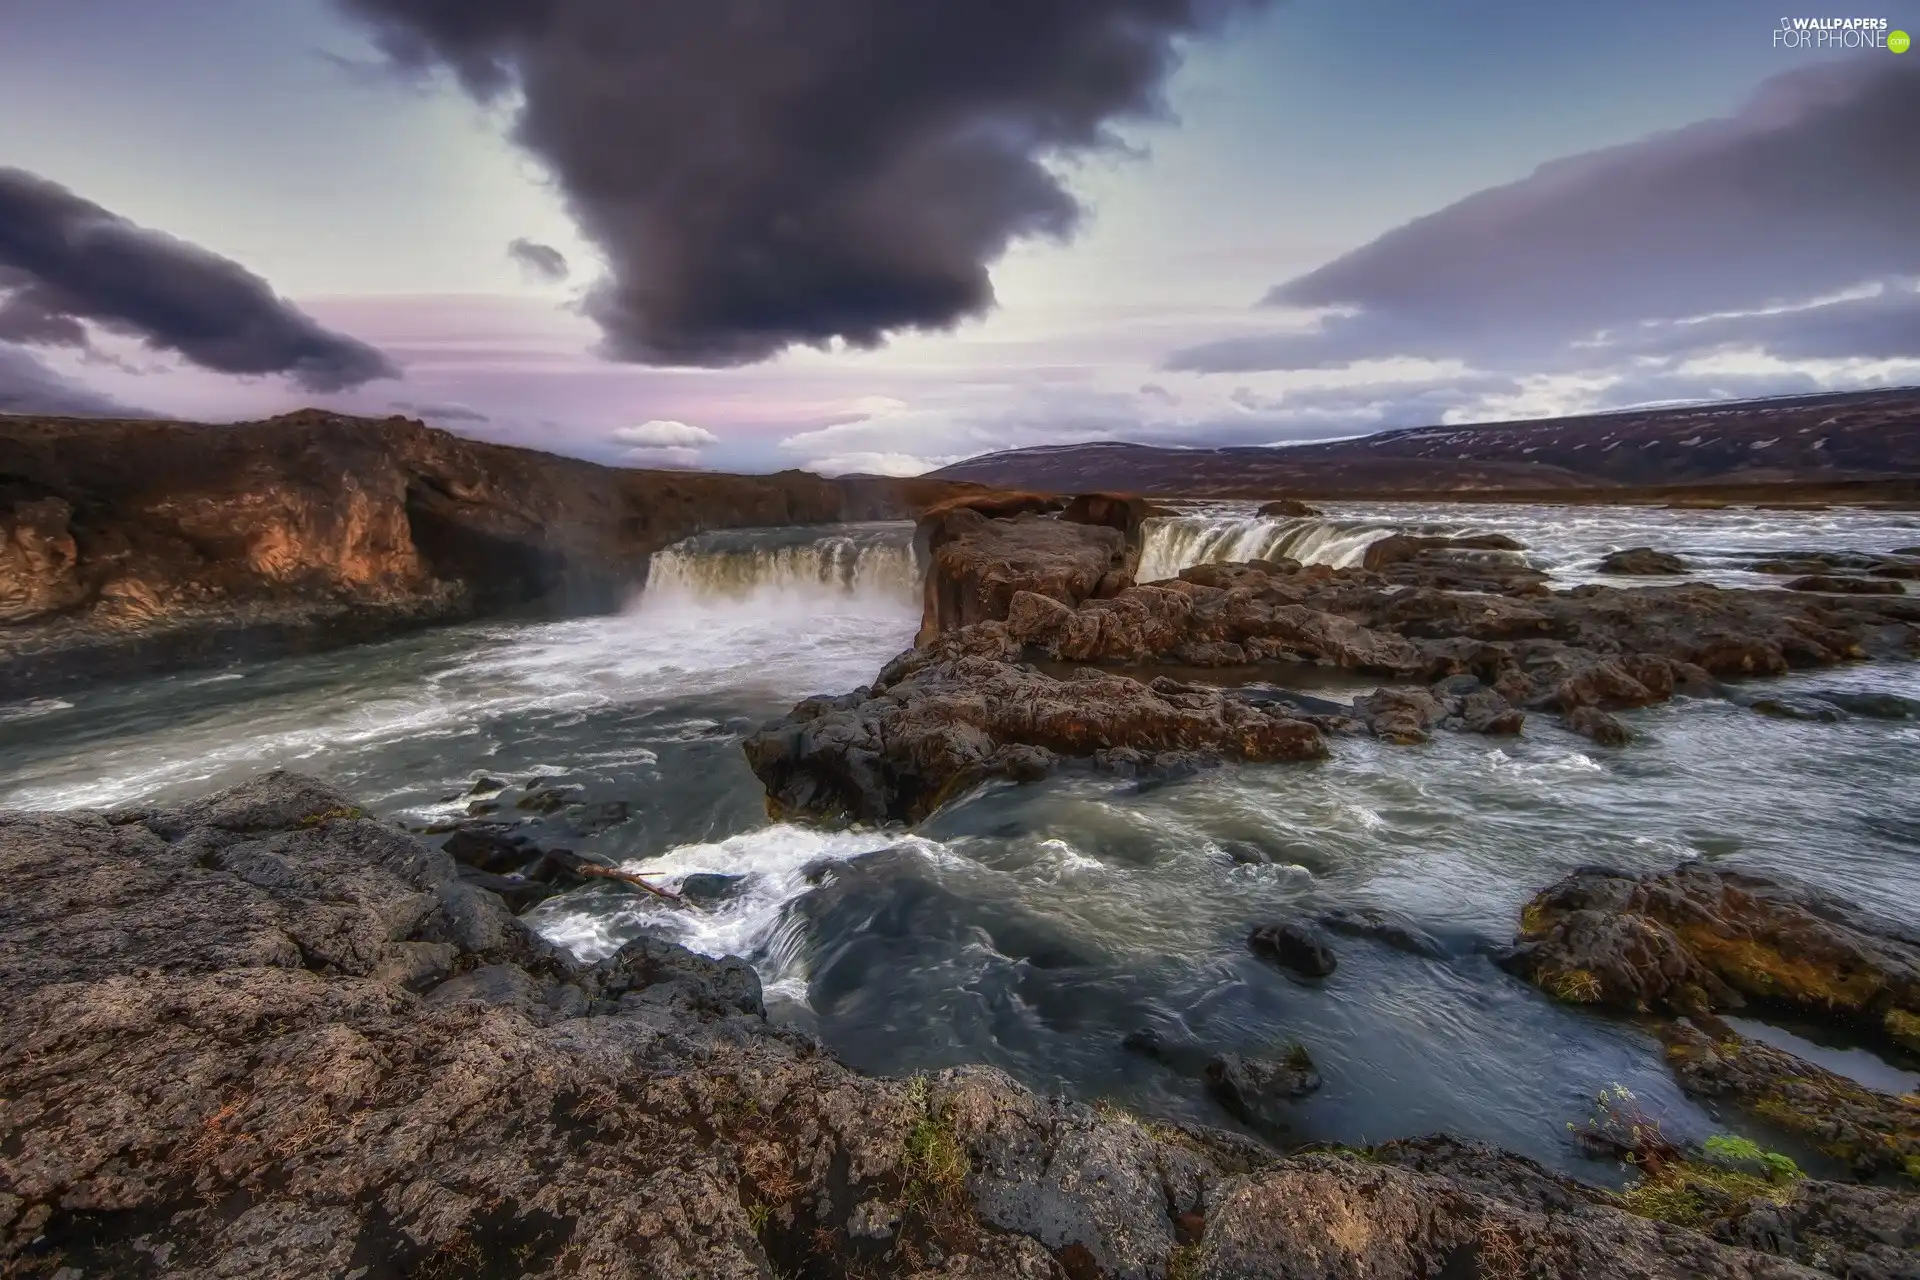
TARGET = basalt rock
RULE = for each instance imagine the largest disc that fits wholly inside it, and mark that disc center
(1833, 584)
(1294, 947)
(978, 565)
(1697, 939)
(1290, 509)
(933, 728)
(1872, 1132)
(1642, 560)
(264, 1034)
(1406, 546)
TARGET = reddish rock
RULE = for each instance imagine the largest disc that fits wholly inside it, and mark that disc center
(979, 565)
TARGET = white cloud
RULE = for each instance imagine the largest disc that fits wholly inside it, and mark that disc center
(662, 433)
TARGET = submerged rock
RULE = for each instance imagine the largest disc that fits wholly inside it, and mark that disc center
(1591, 722)
(1385, 928)
(1832, 584)
(1643, 560)
(1294, 947)
(1258, 1091)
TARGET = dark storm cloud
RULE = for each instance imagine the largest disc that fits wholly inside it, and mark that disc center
(1805, 192)
(542, 260)
(766, 173)
(28, 386)
(65, 260)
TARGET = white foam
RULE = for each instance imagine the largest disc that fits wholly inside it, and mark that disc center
(773, 860)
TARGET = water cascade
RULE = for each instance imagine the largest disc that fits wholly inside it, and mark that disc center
(871, 561)
(1172, 543)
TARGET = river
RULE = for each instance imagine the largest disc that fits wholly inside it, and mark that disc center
(1033, 927)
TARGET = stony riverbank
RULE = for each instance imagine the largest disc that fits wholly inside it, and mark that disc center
(265, 1033)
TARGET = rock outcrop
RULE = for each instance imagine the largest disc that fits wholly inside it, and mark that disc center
(1643, 561)
(1460, 615)
(139, 545)
(265, 1034)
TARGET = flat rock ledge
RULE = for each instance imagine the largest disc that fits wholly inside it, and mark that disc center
(265, 1034)
(1035, 649)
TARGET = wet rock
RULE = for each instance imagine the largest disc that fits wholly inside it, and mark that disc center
(1643, 560)
(488, 848)
(1906, 572)
(1401, 715)
(518, 892)
(486, 786)
(1485, 711)
(1289, 509)
(1831, 584)
(1872, 1132)
(39, 561)
(1259, 1091)
(548, 799)
(1875, 706)
(1125, 512)
(591, 819)
(1386, 928)
(1399, 547)
(1696, 939)
(481, 808)
(709, 888)
(1796, 709)
(1605, 729)
(1293, 946)
(942, 727)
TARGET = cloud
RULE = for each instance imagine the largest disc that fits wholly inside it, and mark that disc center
(661, 434)
(441, 412)
(876, 464)
(540, 260)
(765, 175)
(65, 260)
(1743, 220)
(27, 385)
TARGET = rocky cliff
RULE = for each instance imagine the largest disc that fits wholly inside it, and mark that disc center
(267, 1035)
(136, 544)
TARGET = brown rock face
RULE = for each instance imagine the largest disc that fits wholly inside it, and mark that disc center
(1695, 940)
(978, 565)
(38, 559)
(928, 731)
(126, 545)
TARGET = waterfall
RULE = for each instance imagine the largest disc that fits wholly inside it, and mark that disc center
(1169, 544)
(873, 562)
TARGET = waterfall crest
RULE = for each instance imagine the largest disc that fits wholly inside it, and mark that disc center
(874, 562)
(1169, 544)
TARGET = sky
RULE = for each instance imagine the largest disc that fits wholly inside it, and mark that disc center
(857, 236)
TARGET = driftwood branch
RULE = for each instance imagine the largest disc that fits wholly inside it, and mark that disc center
(580, 866)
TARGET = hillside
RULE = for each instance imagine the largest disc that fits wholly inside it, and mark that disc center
(129, 545)
(1871, 435)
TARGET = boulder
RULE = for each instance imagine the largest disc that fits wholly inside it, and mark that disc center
(978, 565)
(1643, 560)
(1700, 939)
(1293, 946)
(1289, 509)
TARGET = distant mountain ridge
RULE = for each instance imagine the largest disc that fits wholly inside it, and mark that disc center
(1864, 435)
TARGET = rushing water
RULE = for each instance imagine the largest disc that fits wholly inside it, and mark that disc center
(1032, 927)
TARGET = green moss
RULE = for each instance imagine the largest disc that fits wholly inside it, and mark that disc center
(1904, 1027)
(342, 813)
(1743, 1155)
(1534, 920)
(936, 1159)
(1692, 1193)
(1184, 1263)
(1297, 1057)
